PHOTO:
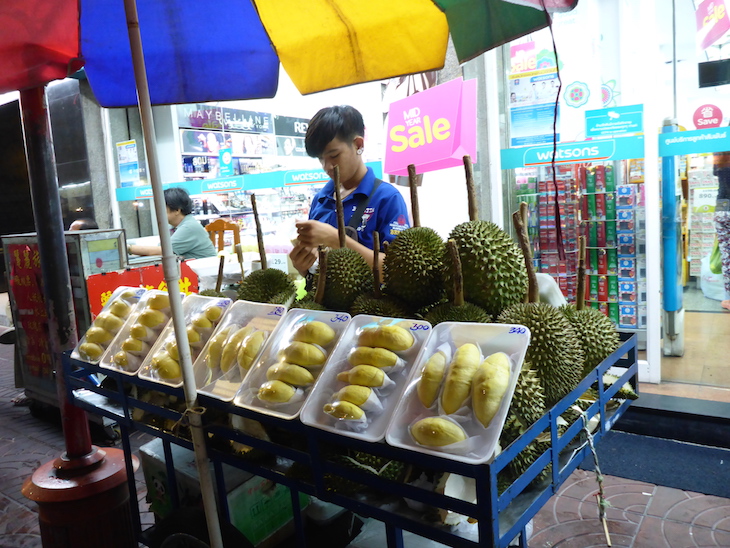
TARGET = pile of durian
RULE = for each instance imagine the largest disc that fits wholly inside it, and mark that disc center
(234, 345)
(108, 323)
(367, 381)
(299, 364)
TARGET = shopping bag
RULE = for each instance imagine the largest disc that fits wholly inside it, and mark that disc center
(433, 129)
(716, 259)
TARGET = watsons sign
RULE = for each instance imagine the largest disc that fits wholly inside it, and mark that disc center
(305, 177)
(570, 153)
(218, 185)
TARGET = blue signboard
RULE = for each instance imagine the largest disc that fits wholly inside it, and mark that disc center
(225, 162)
(274, 179)
(694, 142)
(600, 150)
(609, 122)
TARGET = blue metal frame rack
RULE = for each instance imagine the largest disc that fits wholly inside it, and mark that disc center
(501, 517)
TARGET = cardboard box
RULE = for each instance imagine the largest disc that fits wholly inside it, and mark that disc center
(259, 508)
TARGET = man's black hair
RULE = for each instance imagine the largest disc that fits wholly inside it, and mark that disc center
(342, 122)
(178, 198)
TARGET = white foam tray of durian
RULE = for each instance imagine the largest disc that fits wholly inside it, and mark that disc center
(202, 314)
(366, 376)
(459, 392)
(106, 327)
(134, 341)
(293, 360)
(236, 343)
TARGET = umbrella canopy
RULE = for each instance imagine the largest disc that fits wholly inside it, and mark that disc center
(231, 49)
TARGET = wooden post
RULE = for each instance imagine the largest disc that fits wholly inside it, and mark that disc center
(415, 210)
(470, 190)
(533, 291)
(321, 279)
(259, 234)
(376, 264)
(458, 276)
(340, 211)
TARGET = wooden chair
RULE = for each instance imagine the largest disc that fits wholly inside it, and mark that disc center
(217, 229)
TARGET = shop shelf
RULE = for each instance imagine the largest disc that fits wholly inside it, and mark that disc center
(296, 455)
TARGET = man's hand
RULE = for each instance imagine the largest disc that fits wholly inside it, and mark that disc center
(315, 233)
(303, 257)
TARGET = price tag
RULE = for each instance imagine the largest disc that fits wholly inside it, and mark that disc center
(278, 260)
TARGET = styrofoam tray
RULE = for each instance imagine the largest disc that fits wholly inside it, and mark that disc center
(328, 384)
(193, 305)
(124, 294)
(135, 359)
(280, 339)
(224, 386)
(513, 340)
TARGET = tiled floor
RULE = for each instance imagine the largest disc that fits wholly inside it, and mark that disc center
(642, 515)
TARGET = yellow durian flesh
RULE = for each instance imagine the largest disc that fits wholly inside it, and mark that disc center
(363, 375)
(295, 375)
(166, 366)
(232, 346)
(152, 318)
(98, 335)
(159, 301)
(304, 354)
(91, 351)
(141, 332)
(201, 323)
(108, 321)
(214, 312)
(378, 357)
(119, 308)
(459, 377)
(247, 352)
(131, 344)
(193, 336)
(215, 347)
(314, 332)
(344, 410)
(432, 375)
(489, 387)
(354, 394)
(276, 391)
(437, 432)
(390, 337)
(120, 359)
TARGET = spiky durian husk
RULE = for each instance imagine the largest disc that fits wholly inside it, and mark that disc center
(596, 333)
(387, 307)
(412, 267)
(554, 349)
(372, 464)
(269, 285)
(492, 266)
(212, 293)
(528, 400)
(449, 312)
(348, 276)
(626, 392)
(512, 430)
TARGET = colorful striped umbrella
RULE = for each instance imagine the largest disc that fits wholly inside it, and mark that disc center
(231, 49)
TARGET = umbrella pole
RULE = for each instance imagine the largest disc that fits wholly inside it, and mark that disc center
(171, 271)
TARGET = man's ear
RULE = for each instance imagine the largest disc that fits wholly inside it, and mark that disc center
(359, 142)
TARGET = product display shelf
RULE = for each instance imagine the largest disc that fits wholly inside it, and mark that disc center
(296, 456)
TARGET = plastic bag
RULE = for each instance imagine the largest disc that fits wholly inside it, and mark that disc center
(716, 258)
(712, 285)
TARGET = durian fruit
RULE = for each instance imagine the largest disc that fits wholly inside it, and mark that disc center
(554, 350)
(437, 432)
(135, 346)
(98, 335)
(142, 332)
(379, 357)
(430, 380)
(212, 293)
(308, 303)
(159, 301)
(489, 386)
(201, 324)
(304, 354)
(344, 410)
(354, 394)
(276, 392)
(295, 375)
(165, 366)
(314, 332)
(346, 277)
(390, 337)
(214, 312)
(458, 310)
(269, 285)
(492, 266)
(120, 308)
(359, 460)
(232, 346)
(250, 349)
(457, 385)
(528, 400)
(215, 347)
(523, 460)
(91, 351)
(363, 375)
(412, 268)
(626, 392)
(109, 322)
(151, 318)
(596, 333)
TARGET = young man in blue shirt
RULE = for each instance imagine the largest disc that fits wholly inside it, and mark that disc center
(335, 137)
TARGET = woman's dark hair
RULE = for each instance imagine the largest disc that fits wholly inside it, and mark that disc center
(342, 122)
(178, 198)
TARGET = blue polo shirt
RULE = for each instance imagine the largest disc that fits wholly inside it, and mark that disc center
(385, 213)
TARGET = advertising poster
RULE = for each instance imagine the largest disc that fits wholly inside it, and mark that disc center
(533, 91)
(128, 163)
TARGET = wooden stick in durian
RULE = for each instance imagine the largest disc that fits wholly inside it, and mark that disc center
(239, 255)
(458, 275)
(219, 279)
(415, 210)
(259, 233)
(580, 298)
(340, 211)
(322, 277)
(376, 264)
(533, 291)
(471, 192)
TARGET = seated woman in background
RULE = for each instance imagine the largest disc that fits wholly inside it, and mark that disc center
(189, 239)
